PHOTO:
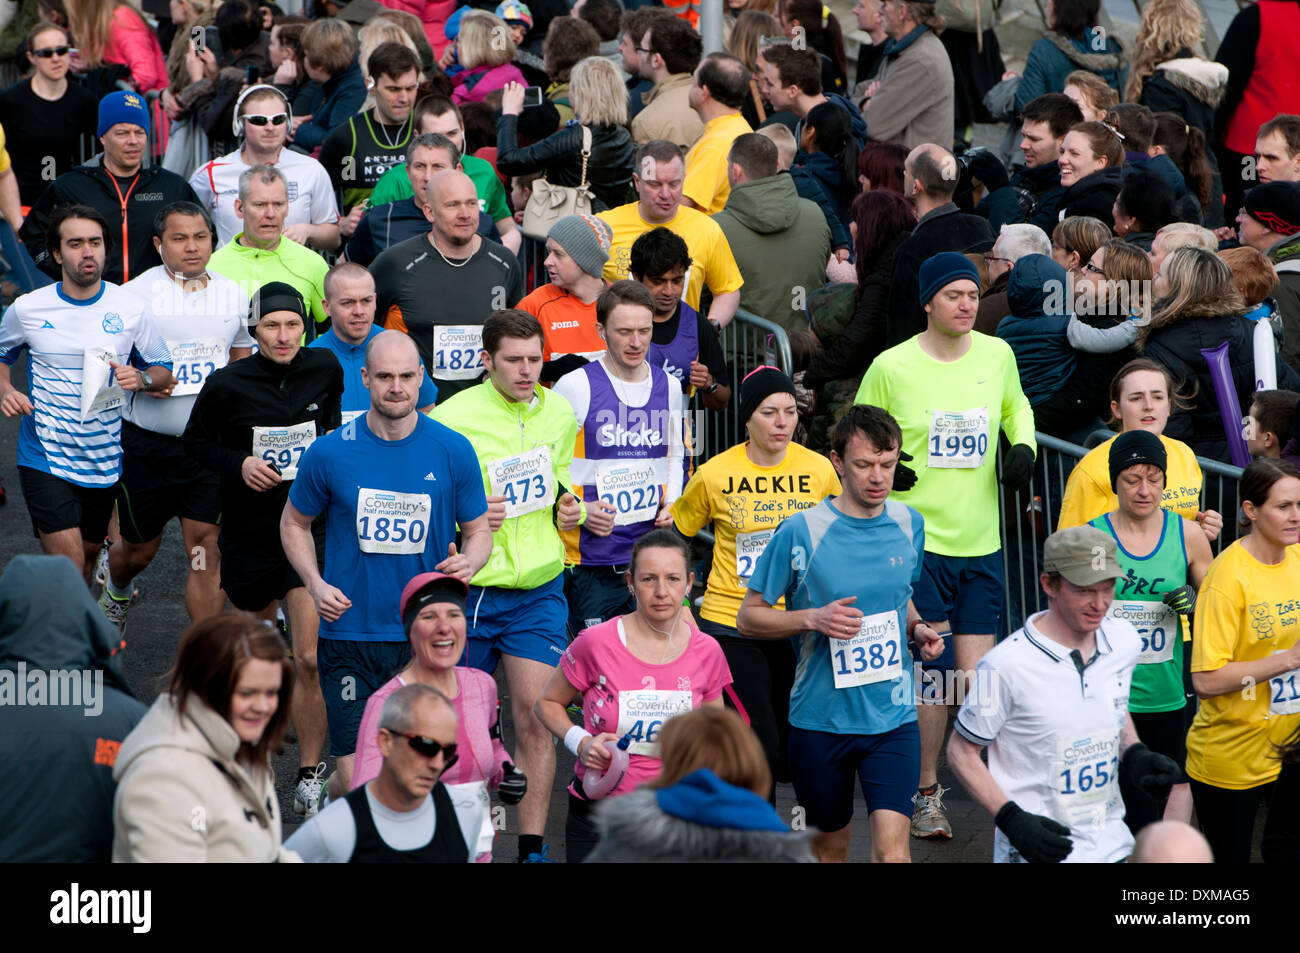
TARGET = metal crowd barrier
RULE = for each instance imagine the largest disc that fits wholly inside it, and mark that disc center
(1028, 519)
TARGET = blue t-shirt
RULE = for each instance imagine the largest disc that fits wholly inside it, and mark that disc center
(352, 357)
(391, 510)
(820, 555)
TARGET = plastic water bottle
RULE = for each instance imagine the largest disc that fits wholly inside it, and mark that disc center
(599, 785)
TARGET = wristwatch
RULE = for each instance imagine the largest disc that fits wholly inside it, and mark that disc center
(711, 388)
(146, 381)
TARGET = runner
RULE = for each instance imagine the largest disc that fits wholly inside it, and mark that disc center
(746, 492)
(683, 344)
(202, 318)
(392, 486)
(852, 711)
(633, 673)
(627, 458)
(69, 450)
(251, 425)
(952, 392)
(1164, 557)
(524, 437)
(1246, 665)
(1059, 736)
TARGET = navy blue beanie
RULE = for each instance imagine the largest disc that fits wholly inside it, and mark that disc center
(122, 107)
(943, 269)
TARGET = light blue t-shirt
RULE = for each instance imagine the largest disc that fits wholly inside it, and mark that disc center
(352, 357)
(820, 555)
(391, 510)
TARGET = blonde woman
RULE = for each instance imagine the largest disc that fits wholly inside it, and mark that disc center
(485, 48)
(111, 33)
(1091, 94)
(599, 104)
(1169, 74)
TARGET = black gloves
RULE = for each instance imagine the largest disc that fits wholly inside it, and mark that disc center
(904, 476)
(1182, 600)
(513, 786)
(1039, 839)
(1149, 771)
(987, 168)
(1018, 468)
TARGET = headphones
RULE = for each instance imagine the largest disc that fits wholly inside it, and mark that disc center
(237, 124)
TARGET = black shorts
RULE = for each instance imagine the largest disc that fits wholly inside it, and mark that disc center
(55, 505)
(1164, 732)
(253, 581)
(159, 483)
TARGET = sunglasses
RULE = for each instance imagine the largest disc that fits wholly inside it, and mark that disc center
(49, 51)
(427, 747)
(1094, 269)
(279, 119)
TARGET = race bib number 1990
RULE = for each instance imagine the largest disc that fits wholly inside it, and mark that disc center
(284, 446)
(457, 352)
(958, 440)
(526, 481)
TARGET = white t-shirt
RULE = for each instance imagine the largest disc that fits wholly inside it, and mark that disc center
(1052, 733)
(311, 196)
(331, 836)
(200, 327)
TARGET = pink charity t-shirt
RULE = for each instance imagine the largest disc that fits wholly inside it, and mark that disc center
(622, 694)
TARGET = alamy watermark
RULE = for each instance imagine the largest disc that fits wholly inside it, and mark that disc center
(62, 688)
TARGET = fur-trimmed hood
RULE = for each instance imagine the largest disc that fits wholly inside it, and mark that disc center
(1111, 61)
(1206, 81)
(634, 829)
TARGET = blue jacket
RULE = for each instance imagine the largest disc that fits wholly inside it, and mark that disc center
(1054, 57)
(1035, 329)
(825, 170)
(808, 187)
(341, 97)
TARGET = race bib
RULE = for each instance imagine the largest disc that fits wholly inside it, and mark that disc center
(749, 546)
(958, 440)
(1155, 622)
(468, 797)
(1085, 777)
(193, 361)
(526, 481)
(284, 446)
(643, 713)
(99, 389)
(393, 523)
(457, 352)
(632, 488)
(1284, 693)
(873, 655)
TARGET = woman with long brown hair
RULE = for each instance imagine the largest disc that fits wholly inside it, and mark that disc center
(752, 27)
(194, 779)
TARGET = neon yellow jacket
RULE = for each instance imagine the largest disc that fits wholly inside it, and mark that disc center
(527, 550)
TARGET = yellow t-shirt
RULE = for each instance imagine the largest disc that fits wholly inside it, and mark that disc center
(712, 263)
(5, 162)
(1088, 493)
(1246, 611)
(746, 503)
(706, 164)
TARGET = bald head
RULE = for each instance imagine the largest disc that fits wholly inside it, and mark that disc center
(451, 204)
(445, 183)
(933, 168)
(388, 347)
(1171, 842)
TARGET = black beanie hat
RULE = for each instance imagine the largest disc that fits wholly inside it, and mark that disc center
(1276, 206)
(1133, 447)
(759, 385)
(275, 296)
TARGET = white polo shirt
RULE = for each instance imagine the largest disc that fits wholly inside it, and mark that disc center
(311, 196)
(1052, 733)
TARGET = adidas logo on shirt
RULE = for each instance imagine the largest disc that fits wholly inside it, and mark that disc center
(430, 476)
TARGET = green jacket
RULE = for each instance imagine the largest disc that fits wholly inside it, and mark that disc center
(1285, 256)
(527, 550)
(289, 262)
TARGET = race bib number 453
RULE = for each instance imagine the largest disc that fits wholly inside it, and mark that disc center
(958, 440)
(457, 352)
(526, 481)
(393, 523)
(284, 446)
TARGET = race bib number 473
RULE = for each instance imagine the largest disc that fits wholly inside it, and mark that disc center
(526, 481)
(284, 446)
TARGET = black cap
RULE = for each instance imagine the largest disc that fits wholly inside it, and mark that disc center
(1133, 447)
(760, 384)
(275, 296)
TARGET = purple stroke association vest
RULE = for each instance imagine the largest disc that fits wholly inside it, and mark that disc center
(612, 434)
(676, 356)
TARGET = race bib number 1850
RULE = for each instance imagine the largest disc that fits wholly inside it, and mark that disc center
(391, 522)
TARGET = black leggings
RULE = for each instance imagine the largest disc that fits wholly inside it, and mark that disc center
(1164, 732)
(1227, 818)
(579, 832)
(763, 673)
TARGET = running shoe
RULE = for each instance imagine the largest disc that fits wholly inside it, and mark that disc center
(101, 565)
(544, 857)
(928, 818)
(306, 798)
(114, 609)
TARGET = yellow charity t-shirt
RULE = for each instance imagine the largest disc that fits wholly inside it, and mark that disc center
(1246, 611)
(706, 182)
(712, 263)
(1088, 493)
(746, 503)
(4, 153)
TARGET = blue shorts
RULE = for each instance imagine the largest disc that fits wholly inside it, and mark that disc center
(350, 672)
(823, 765)
(968, 591)
(525, 623)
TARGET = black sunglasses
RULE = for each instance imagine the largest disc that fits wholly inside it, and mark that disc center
(49, 51)
(279, 119)
(427, 747)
